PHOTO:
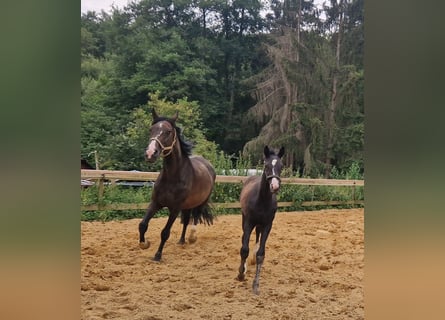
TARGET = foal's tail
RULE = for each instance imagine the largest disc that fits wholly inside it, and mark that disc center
(202, 214)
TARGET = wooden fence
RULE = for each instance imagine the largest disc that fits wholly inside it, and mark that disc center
(102, 176)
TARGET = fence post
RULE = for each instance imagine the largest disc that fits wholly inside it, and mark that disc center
(100, 196)
(353, 192)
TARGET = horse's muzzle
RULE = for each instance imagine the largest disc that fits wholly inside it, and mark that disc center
(274, 190)
(152, 152)
(151, 156)
(274, 185)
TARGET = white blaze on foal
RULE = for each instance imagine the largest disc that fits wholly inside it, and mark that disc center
(275, 183)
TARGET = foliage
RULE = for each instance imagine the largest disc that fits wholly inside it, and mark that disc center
(300, 193)
(239, 80)
(189, 120)
(309, 98)
(116, 194)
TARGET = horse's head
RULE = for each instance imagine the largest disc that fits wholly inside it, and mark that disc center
(272, 168)
(163, 137)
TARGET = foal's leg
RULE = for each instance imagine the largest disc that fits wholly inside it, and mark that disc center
(244, 252)
(165, 233)
(258, 231)
(143, 225)
(185, 217)
(260, 258)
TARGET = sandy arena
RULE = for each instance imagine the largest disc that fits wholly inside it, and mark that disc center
(313, 269)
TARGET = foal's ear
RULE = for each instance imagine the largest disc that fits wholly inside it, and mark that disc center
(281, 152)
(175, 116)
(266, 152)
(154, 114)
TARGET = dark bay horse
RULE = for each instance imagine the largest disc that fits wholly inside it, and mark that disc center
(183, 185)
(259, 204)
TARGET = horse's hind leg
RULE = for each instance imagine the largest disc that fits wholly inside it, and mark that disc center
(185, 217)
(244, 251)
(165, 234)
(200, 214)
(260, 258)
(192, 236)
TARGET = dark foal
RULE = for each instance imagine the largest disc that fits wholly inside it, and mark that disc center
(258, 205)
(184, 183)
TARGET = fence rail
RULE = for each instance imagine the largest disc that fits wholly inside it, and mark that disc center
(113, 175)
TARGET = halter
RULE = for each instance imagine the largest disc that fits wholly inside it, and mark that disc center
(169, 149)
(273, 176)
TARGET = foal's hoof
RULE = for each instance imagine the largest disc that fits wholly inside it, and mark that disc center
(157, 257)
(241, 277)
(256, 288)
(144, 245)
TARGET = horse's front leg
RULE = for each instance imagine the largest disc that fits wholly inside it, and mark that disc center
(260, 258)
(244, 251)
(258, 231)
(165, 233)
(143, 225)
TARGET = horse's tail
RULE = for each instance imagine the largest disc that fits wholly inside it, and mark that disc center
(202, 214)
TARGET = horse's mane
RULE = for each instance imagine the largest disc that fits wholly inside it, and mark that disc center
(186, 146)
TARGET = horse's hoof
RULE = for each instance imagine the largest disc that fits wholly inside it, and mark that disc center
(181, 242)
(192, 240)
(157, 257)
(192, 236)
(241, 277)
(144, 245)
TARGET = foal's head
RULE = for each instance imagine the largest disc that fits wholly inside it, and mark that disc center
(272, 168)
(163, 137)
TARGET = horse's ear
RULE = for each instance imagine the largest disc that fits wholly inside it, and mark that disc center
(154, 114)
(281, 152)
(266, 152)
(175, 117)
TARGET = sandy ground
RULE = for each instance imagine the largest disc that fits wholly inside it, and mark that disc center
(313, 269)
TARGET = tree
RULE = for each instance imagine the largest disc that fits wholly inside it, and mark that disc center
(277, 89)
(224, 58)
(134, 141)
(343, 18)
(310, 97)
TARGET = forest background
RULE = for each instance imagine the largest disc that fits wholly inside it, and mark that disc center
(242, 74)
